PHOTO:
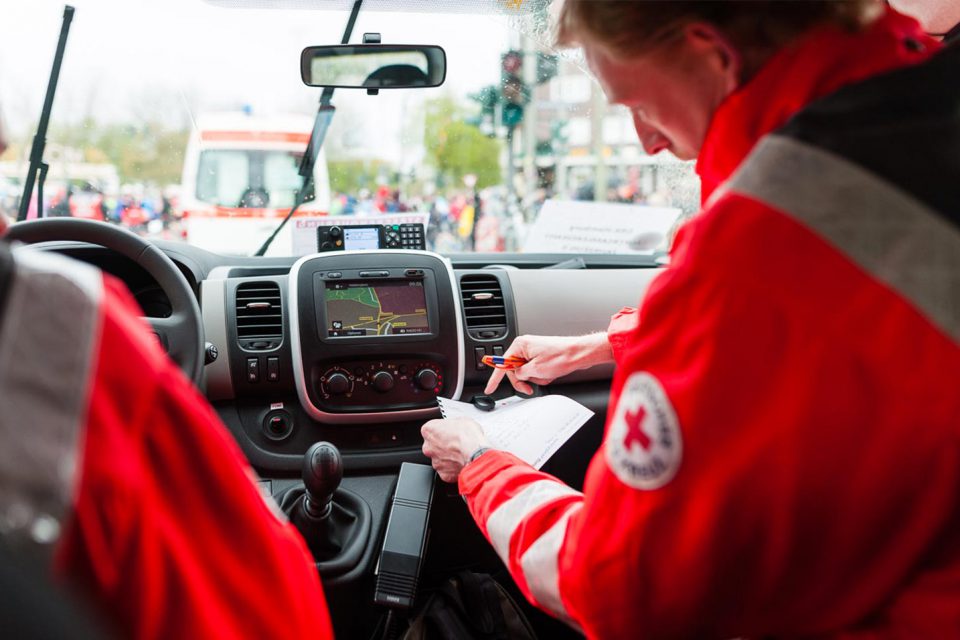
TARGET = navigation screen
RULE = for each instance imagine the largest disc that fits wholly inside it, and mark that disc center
(365, 309)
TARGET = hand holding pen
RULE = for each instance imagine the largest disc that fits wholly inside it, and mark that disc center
(543, 359)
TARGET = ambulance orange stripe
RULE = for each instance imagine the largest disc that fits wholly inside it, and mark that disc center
(254, 136)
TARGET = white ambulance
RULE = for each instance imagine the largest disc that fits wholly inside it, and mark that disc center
(240, 178)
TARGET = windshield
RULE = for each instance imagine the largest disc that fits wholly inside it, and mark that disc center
(187, 121)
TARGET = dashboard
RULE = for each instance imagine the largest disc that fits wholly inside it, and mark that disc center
(354, 347)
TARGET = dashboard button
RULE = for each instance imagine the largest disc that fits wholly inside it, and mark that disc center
(253, 370)
(334, 274)
(478, 353)
(273, 369)
(426, 379)
(382, 381)
(338, 384)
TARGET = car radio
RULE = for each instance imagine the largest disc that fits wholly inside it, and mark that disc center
(375, 334)
(369, 237)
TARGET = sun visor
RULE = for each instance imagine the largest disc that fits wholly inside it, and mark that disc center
(507, 7)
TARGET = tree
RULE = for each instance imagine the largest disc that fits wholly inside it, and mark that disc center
(456, 149)
(147, 153)
(350, 176)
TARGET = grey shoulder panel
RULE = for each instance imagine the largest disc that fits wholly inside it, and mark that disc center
(47, 353)
(889, 233)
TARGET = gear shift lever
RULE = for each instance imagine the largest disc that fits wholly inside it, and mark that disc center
(322, 472)
(335, 522)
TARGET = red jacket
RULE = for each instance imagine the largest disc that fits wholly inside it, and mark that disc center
(124, 472)
(782, 455)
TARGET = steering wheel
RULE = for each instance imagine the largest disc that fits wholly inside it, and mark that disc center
(182, 332)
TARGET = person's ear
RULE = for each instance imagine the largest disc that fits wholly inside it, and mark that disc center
(716, 50)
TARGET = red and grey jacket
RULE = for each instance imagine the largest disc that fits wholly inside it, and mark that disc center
(118, 471)
(782, 451)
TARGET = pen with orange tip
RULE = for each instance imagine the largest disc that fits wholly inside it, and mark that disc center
(504, 362)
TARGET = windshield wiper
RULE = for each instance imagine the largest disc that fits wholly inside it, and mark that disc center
(37, 166)
(321, 124)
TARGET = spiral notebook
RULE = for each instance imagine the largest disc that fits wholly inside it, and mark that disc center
(533, 429)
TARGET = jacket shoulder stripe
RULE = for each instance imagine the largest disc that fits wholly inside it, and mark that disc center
(505, 520)
(891, 235)
(47, 352)
(540, 565)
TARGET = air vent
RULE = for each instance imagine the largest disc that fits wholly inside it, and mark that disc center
(483, 307)
(259, 316)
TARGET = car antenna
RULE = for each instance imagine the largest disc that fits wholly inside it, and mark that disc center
(320, 125)
(37, 173)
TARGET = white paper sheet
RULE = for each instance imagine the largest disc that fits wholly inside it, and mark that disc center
(531, 429)
(599, 227)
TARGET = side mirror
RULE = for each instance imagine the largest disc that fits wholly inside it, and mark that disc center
(374, 66)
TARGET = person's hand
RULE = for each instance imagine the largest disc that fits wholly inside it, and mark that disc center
(449, 443)
(549, 358)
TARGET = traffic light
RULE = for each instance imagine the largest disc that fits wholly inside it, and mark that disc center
(488, 98)
(515, 93)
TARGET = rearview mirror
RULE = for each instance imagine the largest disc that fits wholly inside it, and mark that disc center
(373, 66)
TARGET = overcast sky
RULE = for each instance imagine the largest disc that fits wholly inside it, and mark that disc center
(141, 59)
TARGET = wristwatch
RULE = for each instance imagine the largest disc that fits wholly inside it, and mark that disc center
(476, 454)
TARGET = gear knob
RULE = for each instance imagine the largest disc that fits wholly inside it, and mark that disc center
(322, 472)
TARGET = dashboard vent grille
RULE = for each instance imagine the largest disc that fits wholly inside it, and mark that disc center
(259, 315)
(483, 306)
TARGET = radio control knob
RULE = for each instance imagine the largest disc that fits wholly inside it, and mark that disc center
(337, 384)
(382, 381)
(426, 379)
(335, 232)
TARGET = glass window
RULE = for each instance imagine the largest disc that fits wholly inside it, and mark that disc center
(202, 141)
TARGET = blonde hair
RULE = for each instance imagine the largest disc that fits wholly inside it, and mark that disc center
(630, 27)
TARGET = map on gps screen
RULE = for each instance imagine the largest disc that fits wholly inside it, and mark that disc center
(362, 309)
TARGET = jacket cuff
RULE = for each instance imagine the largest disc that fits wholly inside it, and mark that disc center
(621, 326)
(485, 467)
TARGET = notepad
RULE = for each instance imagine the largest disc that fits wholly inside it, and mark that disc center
(533, 429)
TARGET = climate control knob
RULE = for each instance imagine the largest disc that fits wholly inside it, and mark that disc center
(382, 381)
(426, 379)
(337, 384)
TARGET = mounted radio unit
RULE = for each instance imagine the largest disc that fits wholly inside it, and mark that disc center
(370, 237)
(375, 333)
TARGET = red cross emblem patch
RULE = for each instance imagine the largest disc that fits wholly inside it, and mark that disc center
(643, 446)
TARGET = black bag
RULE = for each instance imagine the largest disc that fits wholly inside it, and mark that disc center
(470, 606)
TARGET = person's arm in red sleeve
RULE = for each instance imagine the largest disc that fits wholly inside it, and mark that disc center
(170, 536)
(524, 514)
(625, 559)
